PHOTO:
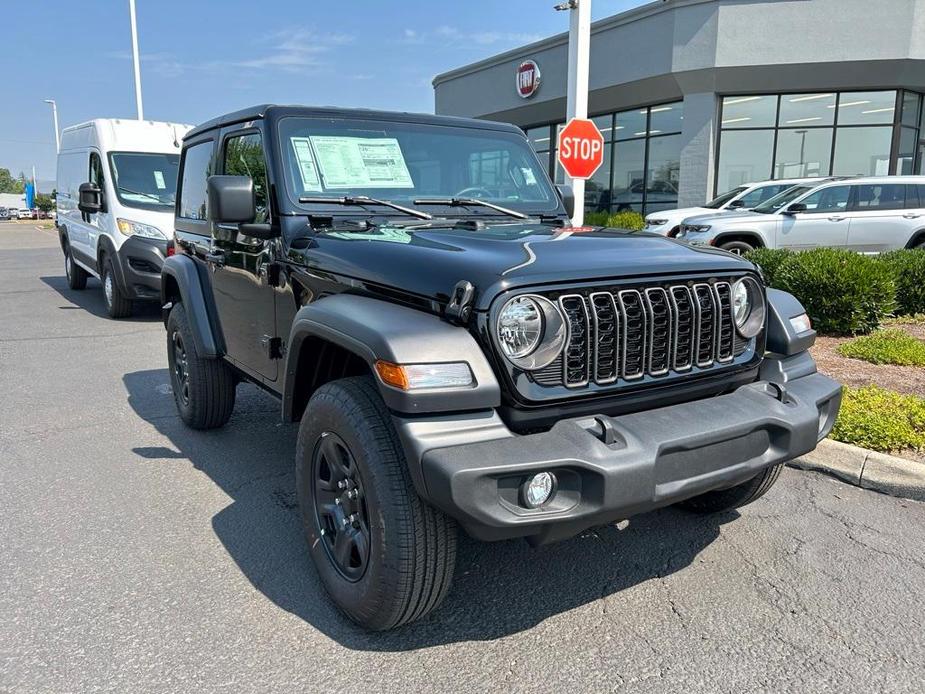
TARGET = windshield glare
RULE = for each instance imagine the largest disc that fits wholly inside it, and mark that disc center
(772, 205)
(146, 180)
(402, 162)
(721, 200)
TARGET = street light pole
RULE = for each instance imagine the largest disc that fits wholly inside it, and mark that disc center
(579, 56)
(138, 106)
(54, 113)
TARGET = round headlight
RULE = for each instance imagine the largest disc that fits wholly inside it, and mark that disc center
(531, 331)
(748, 309)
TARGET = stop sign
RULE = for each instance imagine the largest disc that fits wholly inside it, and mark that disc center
(581, 148)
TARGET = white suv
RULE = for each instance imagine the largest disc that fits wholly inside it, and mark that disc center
(868, 215)
(743, 197)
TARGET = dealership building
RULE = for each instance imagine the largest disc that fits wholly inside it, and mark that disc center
(695, 97)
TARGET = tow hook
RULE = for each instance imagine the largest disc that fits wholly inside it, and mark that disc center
(460, 304)
(778, 392)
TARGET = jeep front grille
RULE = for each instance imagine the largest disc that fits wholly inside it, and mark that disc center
(628, 334)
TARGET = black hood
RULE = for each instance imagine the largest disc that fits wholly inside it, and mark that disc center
(430, 261)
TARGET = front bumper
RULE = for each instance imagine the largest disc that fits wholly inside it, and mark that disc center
(139, 266)
(610, 468)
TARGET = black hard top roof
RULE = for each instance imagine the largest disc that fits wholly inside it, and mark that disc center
(278, 111)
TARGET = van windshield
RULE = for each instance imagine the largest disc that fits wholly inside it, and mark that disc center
(147, 180)
(772, 205)
(404, 161)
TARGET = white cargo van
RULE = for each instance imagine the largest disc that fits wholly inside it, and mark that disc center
(117, 184)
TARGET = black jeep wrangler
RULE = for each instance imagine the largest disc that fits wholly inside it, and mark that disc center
(410, 288)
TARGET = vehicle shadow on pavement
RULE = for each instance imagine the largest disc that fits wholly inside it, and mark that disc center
(499, 588)
(91, 300)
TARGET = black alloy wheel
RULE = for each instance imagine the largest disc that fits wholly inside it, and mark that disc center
(180, 367)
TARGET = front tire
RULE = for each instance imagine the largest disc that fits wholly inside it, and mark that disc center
(737, 247)
(117, 306)
(76, 275)
(734, 497)
(385, 556)
(204, 389)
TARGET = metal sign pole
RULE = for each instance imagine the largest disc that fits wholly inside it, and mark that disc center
(138, 106)
(579, 53)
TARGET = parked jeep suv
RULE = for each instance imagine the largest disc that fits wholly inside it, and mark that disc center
(411, 290)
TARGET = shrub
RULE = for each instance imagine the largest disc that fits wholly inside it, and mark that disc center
(908, 268)
(881, 420)
(770, 260)
(844, 293)
(886, 347)
(618, 220)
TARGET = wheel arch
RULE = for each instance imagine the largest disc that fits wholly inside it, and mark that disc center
(181, 281)
(750, 237)
(916, 239)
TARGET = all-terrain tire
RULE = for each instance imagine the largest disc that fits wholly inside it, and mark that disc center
(117, 305)
(737, 247)
(203, 388)
(411, 545)
(76, 275)
(734, 497)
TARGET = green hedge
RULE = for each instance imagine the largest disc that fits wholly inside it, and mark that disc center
(881, 420)
(844, 293)
(908, 268)
(770, 261)
(617, 220)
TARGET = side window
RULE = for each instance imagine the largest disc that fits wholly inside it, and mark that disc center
(833, 199)
(915, 197)
(197, 167)
(244, 157)
(880, 197)
(759, 195)
(96, 170)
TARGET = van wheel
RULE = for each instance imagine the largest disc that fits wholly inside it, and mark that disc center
(385, 557)
(203, 388)
(734, 497)
(76, 275)
(737, 247)
(117, 306)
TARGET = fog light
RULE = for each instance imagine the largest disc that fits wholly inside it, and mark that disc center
(538, 489)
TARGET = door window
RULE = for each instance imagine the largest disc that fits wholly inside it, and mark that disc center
(96, 170)
(915, 197)
(244, 156)
(833, 199)
(196, 169)
(880, 197)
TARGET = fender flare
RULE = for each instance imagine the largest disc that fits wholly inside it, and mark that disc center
(722, 237)
(182, 271)
(374, 329)
(105, 247)
(782, 338)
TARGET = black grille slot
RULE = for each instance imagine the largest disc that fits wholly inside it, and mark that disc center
(725, 334)
(634, 334)
(606, 338)
(705, 304)
(685, 325)
(659, 330)
(576, 361)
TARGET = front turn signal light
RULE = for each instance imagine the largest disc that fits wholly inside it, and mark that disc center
(424, 376)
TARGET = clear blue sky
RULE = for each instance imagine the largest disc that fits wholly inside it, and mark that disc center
(198, 62)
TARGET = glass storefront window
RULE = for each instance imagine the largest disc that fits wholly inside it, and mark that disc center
(802, 110)
(539, 138)
(803, 152)
(863, 108)
(629, 163)
(908, 147)
(912, 102)
(664, 169)
(749, 111)
(597, 188)
(630, 124)
(744, 157)
(605, 125)
(668, 118)
(862, 151)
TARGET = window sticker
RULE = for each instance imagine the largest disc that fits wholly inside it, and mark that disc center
(159, 180)
(307, 169)
(358, 162)
(529, 176)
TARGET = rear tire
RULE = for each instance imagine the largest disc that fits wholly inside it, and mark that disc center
(204, 389)
(76, 275)
(117, 306)
(737, 247)
(399, 552)
(734, 497)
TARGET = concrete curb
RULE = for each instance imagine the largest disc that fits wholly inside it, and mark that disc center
(866, 469)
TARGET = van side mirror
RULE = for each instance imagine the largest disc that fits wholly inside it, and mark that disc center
(795, 208)
(567, 196)
(89, 198)
(231, 199)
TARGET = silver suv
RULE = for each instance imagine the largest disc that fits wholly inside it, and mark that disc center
(869, 215)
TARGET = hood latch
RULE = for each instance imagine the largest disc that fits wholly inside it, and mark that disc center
(460, 305)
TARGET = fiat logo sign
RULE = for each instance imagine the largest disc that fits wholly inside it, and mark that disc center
(527, 79)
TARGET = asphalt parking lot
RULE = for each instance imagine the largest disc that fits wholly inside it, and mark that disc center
(137, 555)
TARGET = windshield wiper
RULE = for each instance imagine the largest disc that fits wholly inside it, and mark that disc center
(361, 200)
(466, 202)
(138, 192)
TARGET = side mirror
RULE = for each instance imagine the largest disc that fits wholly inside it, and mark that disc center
(89, 198)
(795, 208)
(735, 204)
(231, 199)
(567, 195)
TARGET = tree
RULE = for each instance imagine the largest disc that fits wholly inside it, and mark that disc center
(44, 202)
(8, 184)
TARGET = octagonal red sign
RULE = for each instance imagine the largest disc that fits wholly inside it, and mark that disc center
(581, 148)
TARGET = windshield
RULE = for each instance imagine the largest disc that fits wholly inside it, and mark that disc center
(403, 162)
(146, 180)
(721, 200)
(772, 205)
